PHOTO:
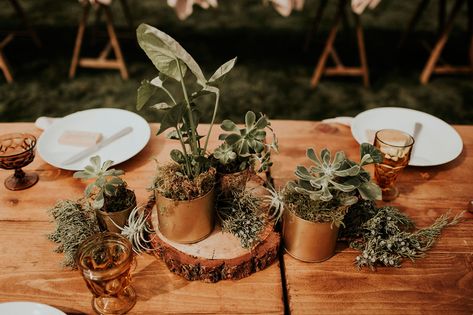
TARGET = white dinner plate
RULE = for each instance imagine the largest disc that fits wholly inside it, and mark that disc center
(107, 121)
(28, 308)
(436, 142)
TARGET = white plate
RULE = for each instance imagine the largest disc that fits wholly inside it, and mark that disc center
(436, 142)
(28, 308)
(107, 121)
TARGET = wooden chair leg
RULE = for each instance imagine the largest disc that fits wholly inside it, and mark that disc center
(115, 44)
(24, 19)
(440, 44)
(362, 51)
(315, 24)
(318, 71)
(413, 22)
(78, 44)
(3, 61)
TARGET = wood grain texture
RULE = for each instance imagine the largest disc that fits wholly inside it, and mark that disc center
(441, 283)
(30, 269)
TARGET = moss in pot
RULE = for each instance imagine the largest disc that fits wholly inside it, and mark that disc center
(109, 195)
(316, 203)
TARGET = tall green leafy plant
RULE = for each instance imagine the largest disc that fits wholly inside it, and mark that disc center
(180, 112)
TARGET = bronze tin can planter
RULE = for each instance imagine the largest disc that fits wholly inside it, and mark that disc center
(119, 217)
(228, 182)
(308, 241)
(187, 221)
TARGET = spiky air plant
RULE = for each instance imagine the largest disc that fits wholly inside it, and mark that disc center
(275, 203)
(136, 229)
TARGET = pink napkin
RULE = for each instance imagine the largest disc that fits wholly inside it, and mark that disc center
(358, 6)
(285, 7)
(184, 8)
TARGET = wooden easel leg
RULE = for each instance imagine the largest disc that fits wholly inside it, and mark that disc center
(78, 44)
(362, 51)
(21, 13)
(440, 44)
(318, 71)
(115, 44)
(413, 22)
(315, 24)
(128, 16)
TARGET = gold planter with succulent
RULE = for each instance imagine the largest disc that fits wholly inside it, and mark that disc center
(242, 150)
(316, 203)
(111, 198)
(184, 188)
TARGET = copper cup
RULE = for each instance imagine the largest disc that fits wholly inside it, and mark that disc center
(396, 147)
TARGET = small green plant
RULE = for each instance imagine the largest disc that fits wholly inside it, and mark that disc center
(324, 191)
(180, 112)
(109, 191)
(244, 147)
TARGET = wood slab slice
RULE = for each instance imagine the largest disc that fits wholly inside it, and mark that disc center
(218, 257)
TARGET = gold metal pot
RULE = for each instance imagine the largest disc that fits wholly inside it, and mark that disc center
(187, 221)
(308, 241)
(119, 217)
(228, 182)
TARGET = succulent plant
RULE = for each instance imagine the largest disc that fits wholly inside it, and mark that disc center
(338, 174)
(245, 146)
(107, 180)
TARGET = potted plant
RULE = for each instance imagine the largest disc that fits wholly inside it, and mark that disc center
(184, 189)
(243, 149)
(316, 202)
(111, 198)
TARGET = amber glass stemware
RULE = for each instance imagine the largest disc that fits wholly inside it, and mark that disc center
(16, 151)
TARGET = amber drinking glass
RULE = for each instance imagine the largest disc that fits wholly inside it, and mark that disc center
(105, 261)
(396, 147)
(17, 151)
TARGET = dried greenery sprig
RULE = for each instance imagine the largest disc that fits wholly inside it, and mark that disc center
(75, 221)
(241, 215)
(388, 238)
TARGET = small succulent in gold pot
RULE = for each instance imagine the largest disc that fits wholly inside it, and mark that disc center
(110, 197)
(317, 201)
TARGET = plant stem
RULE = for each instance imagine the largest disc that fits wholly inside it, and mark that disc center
(217, 96)
(189, 112)
(186, 157)
(169, 94)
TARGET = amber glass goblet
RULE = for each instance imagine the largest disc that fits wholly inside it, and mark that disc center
(396, 148)
(17, 151)
(105, 261)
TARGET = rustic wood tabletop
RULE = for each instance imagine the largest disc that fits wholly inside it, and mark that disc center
(440, 283)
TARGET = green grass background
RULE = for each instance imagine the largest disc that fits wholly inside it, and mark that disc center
(272, 74)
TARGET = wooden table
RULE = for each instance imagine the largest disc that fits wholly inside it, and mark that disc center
(440, 283)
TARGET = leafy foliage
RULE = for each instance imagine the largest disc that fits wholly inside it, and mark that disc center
(246, 146)
(75, 221)
(385, 236)
(107, 182)
(339, 174)
(179, 114)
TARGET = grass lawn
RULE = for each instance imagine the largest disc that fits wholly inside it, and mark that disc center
(272, 73)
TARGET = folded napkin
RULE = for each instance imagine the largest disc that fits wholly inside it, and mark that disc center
(358, 6)
(104, 2)
(184, 8)
(285, 7)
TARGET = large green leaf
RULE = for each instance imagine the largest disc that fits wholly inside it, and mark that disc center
(145, 92)
(370, 191)
(222, 71)
(171, 118)
(375, 156)
(162, 106)
(163, 51)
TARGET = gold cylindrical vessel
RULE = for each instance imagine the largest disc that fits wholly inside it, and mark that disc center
(187, 221)
(119, 217)
(308, 241)
(229, 182)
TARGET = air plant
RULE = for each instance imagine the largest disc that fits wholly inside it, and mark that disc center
(136, 229)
